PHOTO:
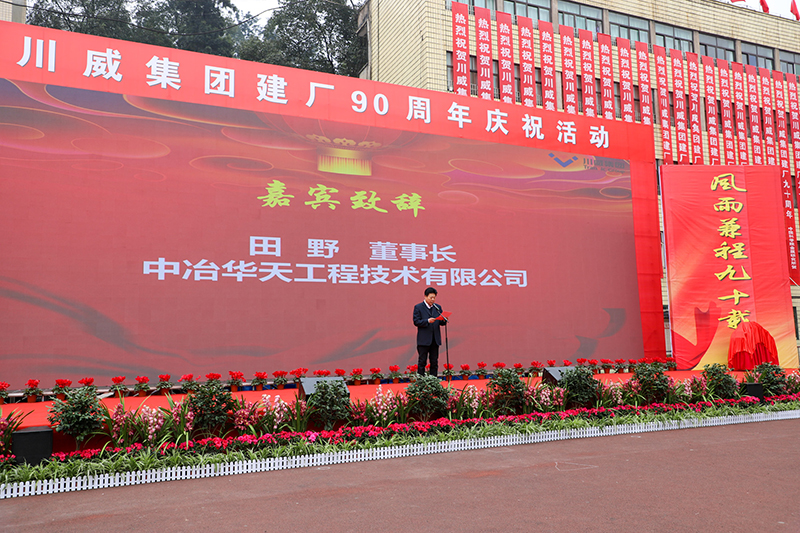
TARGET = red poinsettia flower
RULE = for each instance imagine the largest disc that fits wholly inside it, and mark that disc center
(63, 383)
(394, 368)
(375, 370)
(499, 365)
(32, 384)
(86, 382)
(464, 367)
(187, 377)
(117, 380)
(261, 375)
(236, 376)
(448, 366)
(567, 362)
(593, 361)
(481, 365)
(212, 376)
(280, 373)
(322, 373)
(551, 362)
(142, 379)
(164, 377)
(537, 364)
(517, 365)
(632, 361)
(340, 372)
(619, 361)
(4, 385)
(411, 368)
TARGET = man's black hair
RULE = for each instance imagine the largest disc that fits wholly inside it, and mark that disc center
(430, 290)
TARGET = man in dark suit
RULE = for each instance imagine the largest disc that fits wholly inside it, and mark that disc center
(429, 337)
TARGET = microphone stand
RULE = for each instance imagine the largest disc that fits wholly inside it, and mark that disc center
(446, 340)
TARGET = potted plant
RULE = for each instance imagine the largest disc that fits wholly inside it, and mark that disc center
(581, 361)
(518, 369)
(620, 366)
(481, 371)
(213, 376)
(671, 363)
(322, 373)
(298, 373)
(551, 362)
(448, 372)
(164, 385)
(465, 372)
(280, 379)
(340, 372)
(376, 375)
(188, 383)
(61, 388)
(606, 364)
(259, 381)
(236, 381)
(411, 373)
(498, 366)
(394, 373)
(118, 387)
(142, 385)
(32, 390)
(536, 368)
(355, 374)
(88, 383)
(80, 415)
(3, 391)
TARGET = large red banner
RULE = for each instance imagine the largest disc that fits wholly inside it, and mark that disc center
(527, 70)
(587, 73)
(645, 82)
(726, 260)
(461, 49)
(483, 53)
(606, 76)
(505, 57)
(176, 212)
(625, 79)
(569, 80)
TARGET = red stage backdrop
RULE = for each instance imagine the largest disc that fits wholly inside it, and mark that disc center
(165, 211)
(726, 260)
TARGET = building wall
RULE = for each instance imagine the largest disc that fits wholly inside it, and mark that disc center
(15, 13)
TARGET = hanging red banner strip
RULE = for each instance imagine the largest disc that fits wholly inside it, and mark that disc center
(755, 115)
(606, 76)
(645, 95)
(505, 57)
(712, 125)
(461, 49)
(548, 55)
(679, 101)
(483, 52)
(568, 75)
(587, 73)
(739, 113)
(770, 155)
(663, 103)
(728, 137)
(693, 70)
(625, 79)
(794, 118)
(527, 71)
(786, 177)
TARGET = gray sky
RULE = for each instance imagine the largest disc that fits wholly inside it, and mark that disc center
(255, 7)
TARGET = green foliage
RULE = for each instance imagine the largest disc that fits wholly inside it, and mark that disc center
(652, 381)
(429, 398)
(79, 414)
(8, 426)
(582, 389)
(720, 383)
(210, 404)
(330, 403)
(772, 377)
(109, 18)
(508, 392)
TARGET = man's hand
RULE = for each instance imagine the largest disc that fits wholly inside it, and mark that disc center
(431, 320)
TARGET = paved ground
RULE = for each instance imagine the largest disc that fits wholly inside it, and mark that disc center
(731, 478)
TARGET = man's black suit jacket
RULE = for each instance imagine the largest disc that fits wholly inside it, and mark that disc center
(427, 333)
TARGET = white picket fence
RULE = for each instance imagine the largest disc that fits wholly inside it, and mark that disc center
(33, 488)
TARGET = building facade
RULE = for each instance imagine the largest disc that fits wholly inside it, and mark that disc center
(13, 11)
(411, 43)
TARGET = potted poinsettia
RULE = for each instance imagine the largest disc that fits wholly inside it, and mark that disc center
(213, 376)
(260, 380)
(606, 364)
(61, 388)
(519, 369)
(671, 363)
(498, 366)
(340, 372)
(142, 385)
(551, 362)
(3, 391)
(279, 380)
(188, 383)
(322, 373)
(581, 361)
(481, 371)
(411, 373)
(465, 372)
(236, 381)
(536, 368)
(118, 386)
(356, 375)
(394, 373)
(164, 385)
(88, 383)
(375, 375)
(567, 362)
(620, 366)
(594, 366)
(298, 373)
(32, 390)
(448, 371)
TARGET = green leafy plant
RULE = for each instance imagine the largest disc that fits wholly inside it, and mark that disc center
(330, 403)
(772, 378)
(210, 404)
(8, 426)
(79, 415)
(653, 383)
(429, 398)
(580, 386)
(507, 391)
(720, 382)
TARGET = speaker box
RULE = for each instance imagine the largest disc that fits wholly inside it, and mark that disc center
(309, 385)
(755, 389)
(554, 374)
(32, 445)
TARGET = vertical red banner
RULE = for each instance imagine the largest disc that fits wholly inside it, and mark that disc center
(743, 156)
(548, 58)
(587, 73)
(461, 49)
(483, 52)
(505, 57)
(786, 176)
(794, 118)
(663, 103)
(725, 261)
(712, 125)
(725, 100)
(770, 155)
(527, 71)
(679, 101)
(755, 115)
(696, 134)
(625, 79)
(643, 70)
(568, 73)
(606, 76)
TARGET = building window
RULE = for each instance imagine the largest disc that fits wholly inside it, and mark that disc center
(580, 17)
(535, 9)
(717, 47)
(671, 37)
(758, 56)
(631, 28)
(480, 3)
(790, 62)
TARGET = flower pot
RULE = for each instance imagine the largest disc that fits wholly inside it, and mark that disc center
(464, 378)
(449, 378)
(2, 400)
(32, 398)
(356, 382)
(234, 388)
(165, 391)
(607, 370)
(119, 394)
(142, 393)
(395, 380)
(259, 387)
(279, 387)
(376, 381)
(61, 396)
